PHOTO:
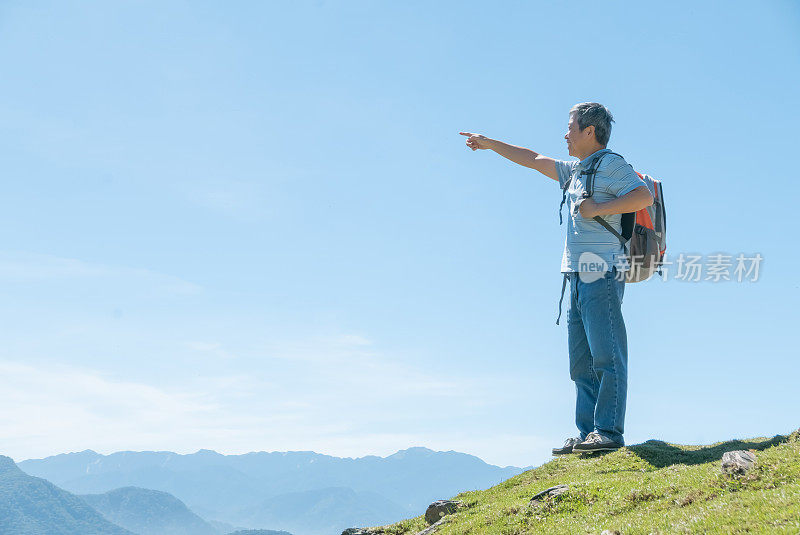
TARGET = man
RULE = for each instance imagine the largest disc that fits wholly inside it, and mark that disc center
(594, 264)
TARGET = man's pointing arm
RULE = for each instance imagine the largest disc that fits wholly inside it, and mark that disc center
(518, 155)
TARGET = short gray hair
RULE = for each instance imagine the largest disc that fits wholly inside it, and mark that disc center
(597, 115)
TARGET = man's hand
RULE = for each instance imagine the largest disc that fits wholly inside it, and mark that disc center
(588, 208)
(477, 141)
(633, 201)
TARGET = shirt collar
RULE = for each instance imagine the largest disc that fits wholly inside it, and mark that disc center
(586, 162)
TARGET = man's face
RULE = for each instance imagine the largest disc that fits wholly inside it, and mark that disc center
(577, 140)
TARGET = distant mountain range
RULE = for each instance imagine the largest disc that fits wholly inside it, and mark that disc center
(311, 510)
(32, 506)
(305, 493)
(148, 512)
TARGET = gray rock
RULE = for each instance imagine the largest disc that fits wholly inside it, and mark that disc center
(361, 531)
(552, 492)
(738, 462)
(430, 529)
(440, 508)
(610, 532)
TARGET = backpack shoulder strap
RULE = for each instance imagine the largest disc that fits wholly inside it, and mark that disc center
(564, 189)
(599, 219)
(590, 173)
(613, 231)
(589, 190)
(563, 199)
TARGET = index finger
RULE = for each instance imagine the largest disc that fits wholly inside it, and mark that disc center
(466, 134)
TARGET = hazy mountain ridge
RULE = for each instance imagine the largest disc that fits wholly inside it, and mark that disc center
(308, 511)
(258, 532)
(231, 488)
(148, 512)
(33, 506)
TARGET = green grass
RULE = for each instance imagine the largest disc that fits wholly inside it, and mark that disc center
(654, 487)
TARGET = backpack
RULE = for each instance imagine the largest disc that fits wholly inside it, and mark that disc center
(645, 230)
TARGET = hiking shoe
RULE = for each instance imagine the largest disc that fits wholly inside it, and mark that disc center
(567, 447)
(596, 442)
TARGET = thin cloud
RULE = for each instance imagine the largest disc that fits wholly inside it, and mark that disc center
(34, 267)
(240, 199)
(335, 398)
(212, 348)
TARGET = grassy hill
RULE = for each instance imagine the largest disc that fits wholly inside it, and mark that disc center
(654, 487)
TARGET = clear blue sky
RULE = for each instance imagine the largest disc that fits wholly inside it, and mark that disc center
(254, 226)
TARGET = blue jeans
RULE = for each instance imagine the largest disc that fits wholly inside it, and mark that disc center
(598, 354)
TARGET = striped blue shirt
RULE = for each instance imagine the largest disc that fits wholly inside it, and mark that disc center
(614, 178)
